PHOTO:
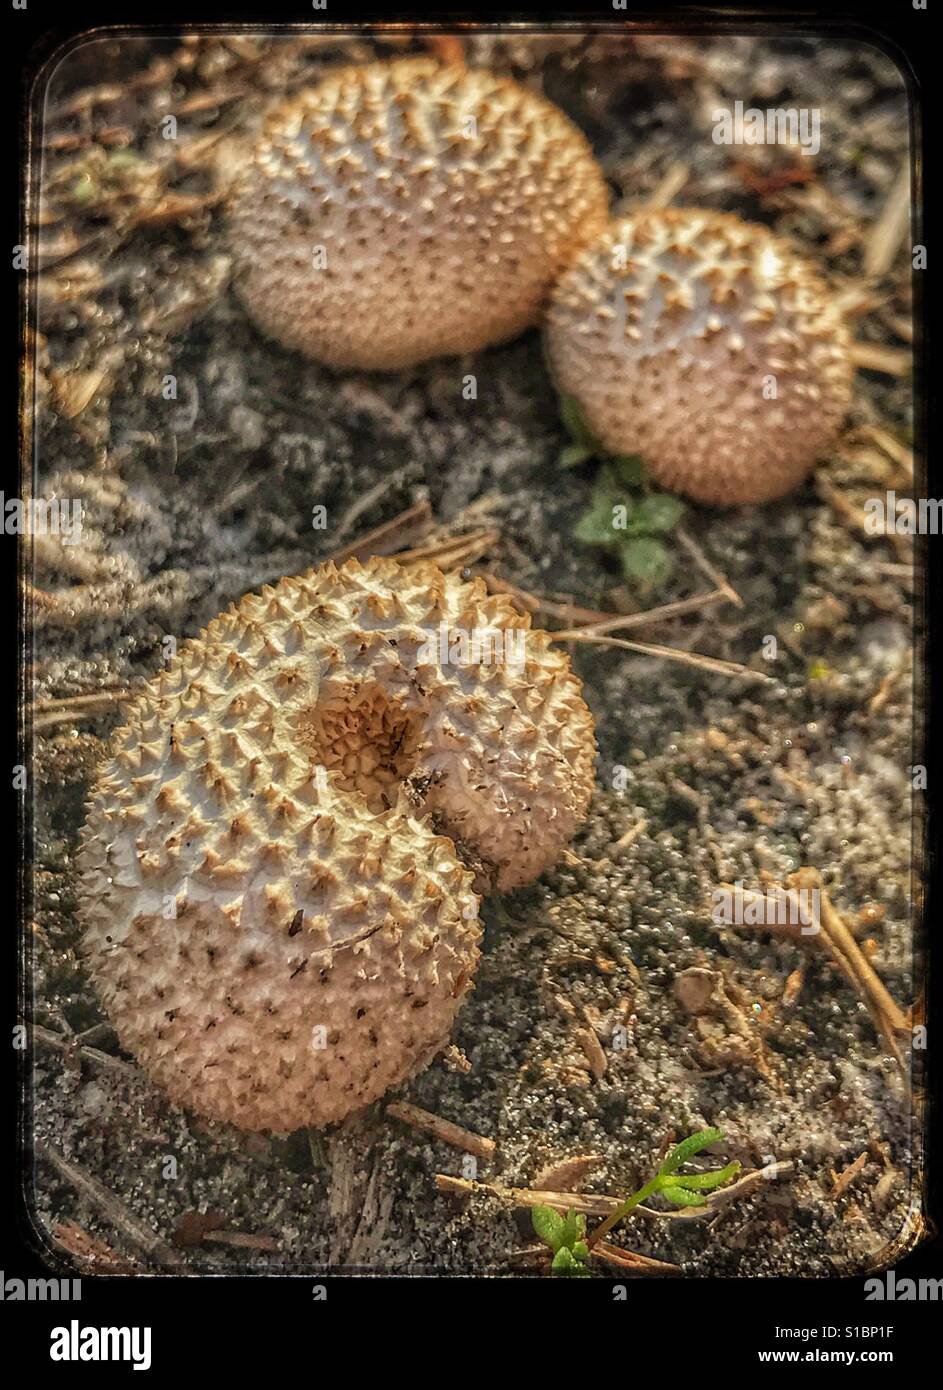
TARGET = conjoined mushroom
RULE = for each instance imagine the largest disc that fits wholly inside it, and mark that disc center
(280, 866)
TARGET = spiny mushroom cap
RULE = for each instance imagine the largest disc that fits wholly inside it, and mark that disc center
(706, 345)
(276, 911)
(407, 210)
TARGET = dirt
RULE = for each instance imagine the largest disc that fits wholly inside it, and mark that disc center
(801, 761)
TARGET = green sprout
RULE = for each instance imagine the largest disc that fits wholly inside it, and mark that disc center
(624, 514)
(582, 446)
(105, 176)
(566, 1236)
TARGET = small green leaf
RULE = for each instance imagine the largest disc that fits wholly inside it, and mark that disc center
(595, 525)
(694, 1143)
(123, 159)
(704, 1182)
(580, 1250)
(574, 422)
(549, 1226)
(630, 469)
(84, 189)
(573, 455)
(573, 1228)
(645, 560)
(607, 484)
(659, 512)
(681, 1198)
(566, 1265)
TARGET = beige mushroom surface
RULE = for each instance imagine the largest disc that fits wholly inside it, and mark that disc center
(280, 865)
(706, 345)
(405, 210)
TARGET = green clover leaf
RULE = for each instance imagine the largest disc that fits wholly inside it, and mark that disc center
(646, 560)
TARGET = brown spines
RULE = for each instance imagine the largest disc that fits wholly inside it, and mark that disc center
(410, 182)
(768, 341)
(245, 806)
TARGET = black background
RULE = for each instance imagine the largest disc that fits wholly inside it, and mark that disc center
(424, 1329)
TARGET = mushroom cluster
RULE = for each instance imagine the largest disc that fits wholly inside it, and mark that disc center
(281, 862)
(706, 345)
(279, 867)
(406, 210)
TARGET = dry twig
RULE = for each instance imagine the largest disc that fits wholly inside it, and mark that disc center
(111, 1207)
(878, 357)
(886, 235)
(72, 1048)
(836, 942)
(589, 1204)
(662, 614)
(708, 569)
(715, 665)
(445, 1130)
(843, 1180)
(382, 540)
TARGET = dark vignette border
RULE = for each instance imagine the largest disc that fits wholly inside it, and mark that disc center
(40, 37)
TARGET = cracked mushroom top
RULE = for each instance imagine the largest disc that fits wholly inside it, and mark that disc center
(291, 828)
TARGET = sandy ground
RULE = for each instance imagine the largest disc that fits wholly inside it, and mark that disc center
(703, 778)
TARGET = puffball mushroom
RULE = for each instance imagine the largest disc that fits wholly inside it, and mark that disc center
(278, 869)
(406, 210)
(706, 345)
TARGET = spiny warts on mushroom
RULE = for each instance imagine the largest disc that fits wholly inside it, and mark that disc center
(407, 210)
(707, 346)
(278, 869)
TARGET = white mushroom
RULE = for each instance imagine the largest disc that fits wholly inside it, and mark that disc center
(279, 863)
(407, 210)
(707, 346)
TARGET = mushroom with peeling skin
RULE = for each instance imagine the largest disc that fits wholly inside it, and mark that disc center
(707, 346)
(406, 210)
(277, 913)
